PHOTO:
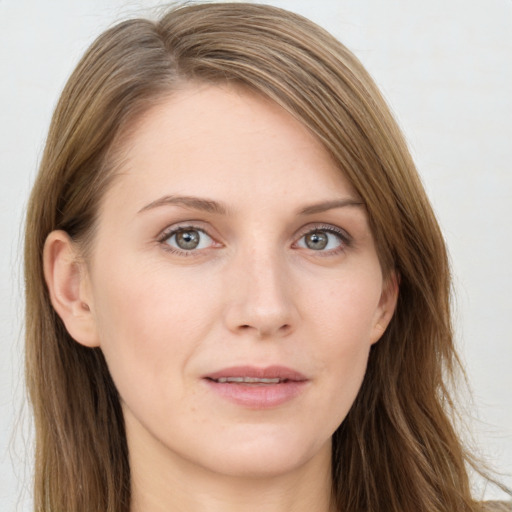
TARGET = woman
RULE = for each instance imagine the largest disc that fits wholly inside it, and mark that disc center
(237, 292)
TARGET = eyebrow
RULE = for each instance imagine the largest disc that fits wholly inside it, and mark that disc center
(330, 205)
(211, 206)
(196, 203)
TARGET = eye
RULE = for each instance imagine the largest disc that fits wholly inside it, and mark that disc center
(324, 239)
(186, 239)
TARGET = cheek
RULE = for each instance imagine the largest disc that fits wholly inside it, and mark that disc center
(149, 323)
(347, 308)
(343, 319)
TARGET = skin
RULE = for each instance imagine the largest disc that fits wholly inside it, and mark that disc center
(252, 293)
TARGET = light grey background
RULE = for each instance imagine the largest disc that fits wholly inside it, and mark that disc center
(445, 68)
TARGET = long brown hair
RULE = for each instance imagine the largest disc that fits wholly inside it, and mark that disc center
(397, 449)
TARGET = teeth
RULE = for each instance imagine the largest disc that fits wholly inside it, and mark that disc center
(248, 380)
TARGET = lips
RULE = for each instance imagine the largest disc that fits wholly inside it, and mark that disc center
(282, 373)
(257, 388)
(248, 380)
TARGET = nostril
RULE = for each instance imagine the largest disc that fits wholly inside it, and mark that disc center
(283, 328)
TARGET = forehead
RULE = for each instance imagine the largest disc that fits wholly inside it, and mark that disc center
(230, 138)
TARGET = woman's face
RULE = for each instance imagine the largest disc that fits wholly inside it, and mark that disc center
(234, 286)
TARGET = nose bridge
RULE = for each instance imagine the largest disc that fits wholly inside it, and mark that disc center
(262, 300)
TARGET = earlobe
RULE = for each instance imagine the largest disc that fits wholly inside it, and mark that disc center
(387, 306)
(66, 279)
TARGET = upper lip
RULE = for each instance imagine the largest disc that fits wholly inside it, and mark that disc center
(282, 373)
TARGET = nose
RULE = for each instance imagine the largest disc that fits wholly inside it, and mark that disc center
(260, 297)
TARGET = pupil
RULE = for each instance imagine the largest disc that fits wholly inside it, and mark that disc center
(317, 240)
(187, 239)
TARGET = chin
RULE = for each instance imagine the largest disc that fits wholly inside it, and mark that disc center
(263, 457)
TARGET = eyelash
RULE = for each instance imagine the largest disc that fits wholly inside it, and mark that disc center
(170, 232)
(343, 236)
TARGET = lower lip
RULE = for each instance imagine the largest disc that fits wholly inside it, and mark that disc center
(258, 396)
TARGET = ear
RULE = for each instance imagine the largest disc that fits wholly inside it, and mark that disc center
(386, 307)
(68, 285)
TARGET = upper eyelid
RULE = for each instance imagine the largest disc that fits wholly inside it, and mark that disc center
(182, 226)
(324, 227)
